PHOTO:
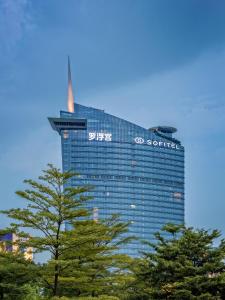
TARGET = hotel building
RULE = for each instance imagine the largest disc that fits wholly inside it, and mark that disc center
(137, 172)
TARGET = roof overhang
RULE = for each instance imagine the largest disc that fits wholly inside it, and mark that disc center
(59, 124)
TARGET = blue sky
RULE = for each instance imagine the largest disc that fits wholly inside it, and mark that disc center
(153, 62)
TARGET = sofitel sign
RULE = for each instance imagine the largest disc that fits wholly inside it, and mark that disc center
(155, 143)
(107, 137)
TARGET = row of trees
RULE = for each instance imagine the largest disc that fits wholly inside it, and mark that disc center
(84, 260)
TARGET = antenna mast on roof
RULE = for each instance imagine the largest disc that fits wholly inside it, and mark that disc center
(70, 99)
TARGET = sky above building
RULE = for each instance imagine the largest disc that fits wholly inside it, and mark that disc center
(151, 62)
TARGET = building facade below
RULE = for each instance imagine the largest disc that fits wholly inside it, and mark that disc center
(9, 242)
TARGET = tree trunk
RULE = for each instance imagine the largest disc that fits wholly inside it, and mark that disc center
(55, 289)
(56, 279)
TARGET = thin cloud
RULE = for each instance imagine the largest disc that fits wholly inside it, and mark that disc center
(15, 20)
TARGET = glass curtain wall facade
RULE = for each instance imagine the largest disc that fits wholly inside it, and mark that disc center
(137, 172)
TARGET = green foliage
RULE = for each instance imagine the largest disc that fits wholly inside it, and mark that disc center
(102, 297)
(83, 260)
(186, 265)
(31, 292)
(16, 274)
(94, 268)
(49, 206)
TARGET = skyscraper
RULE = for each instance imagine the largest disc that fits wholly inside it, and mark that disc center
(137, 172)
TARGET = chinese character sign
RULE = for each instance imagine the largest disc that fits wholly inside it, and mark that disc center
(92, 136)
(100, 136)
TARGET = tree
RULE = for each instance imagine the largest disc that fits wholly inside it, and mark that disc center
(83, 259)
(186, 265)
(95, 268)
(16, 275)
(49, 207)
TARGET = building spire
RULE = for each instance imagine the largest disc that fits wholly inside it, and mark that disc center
(70, 99)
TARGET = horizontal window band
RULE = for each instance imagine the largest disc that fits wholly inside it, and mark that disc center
(111, 145)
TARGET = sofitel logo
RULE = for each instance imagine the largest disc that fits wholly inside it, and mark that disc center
(140, 140)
